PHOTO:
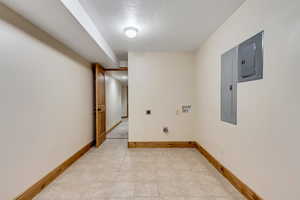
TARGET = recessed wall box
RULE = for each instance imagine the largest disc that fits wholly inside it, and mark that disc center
(240, 64)
(186, 108)
(229, 86)
(250, 59)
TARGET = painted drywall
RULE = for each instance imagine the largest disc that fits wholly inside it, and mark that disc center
(46, 104)
(263, 148)
(113, 92)
(160, 82)
(75, 7)
(124, 101)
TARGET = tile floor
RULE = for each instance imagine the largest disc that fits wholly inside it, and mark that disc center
(114, 172)
(120, 132)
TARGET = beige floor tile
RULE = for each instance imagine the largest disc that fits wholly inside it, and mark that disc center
(98, 190)
(194, 188)
(172, 198)
(188, 176)
(199, 198)
(127, 176)
(145, 175)
(122, 189)
(61, 191)
(136, 165)
(146, 189)
(198, 166)
(114, 172)
(137, 176)
(216, 190)
(169, 175)
(225, 198)
(171, 188)
(146, 198)
(209, 178)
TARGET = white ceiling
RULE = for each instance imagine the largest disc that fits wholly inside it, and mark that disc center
(165, 25)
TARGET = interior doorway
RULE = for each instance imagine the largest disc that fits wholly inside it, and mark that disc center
(111, 104)
(117, 104)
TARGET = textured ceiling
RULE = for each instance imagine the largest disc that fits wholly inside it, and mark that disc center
(165, 25)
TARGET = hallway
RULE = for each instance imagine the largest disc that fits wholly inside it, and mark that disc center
(119, 132)
(114, 172)
(149, 100)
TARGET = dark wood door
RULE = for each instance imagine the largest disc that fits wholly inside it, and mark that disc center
(99, 77)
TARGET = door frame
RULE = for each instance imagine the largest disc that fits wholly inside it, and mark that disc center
(96, 66)
(99, 137)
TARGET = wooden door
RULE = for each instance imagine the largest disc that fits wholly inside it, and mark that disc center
(99, 78)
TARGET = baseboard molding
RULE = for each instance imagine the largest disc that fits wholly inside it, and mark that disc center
(42, 183)
(188, 144)
(235, 181)
(114, 126)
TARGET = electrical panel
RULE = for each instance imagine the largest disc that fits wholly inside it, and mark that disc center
(240, 64)
(229, 86)
(250, 59)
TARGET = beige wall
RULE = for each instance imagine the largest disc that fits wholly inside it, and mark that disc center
(45, 106)
(161, 82)
(113, 92)
(263, 148)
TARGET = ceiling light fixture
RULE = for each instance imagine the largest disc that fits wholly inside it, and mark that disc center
(131, 32)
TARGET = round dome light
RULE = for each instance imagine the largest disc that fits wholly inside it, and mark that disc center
(131, 32)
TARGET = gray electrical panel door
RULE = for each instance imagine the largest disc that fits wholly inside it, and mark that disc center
(229, 86)
(250, 61)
